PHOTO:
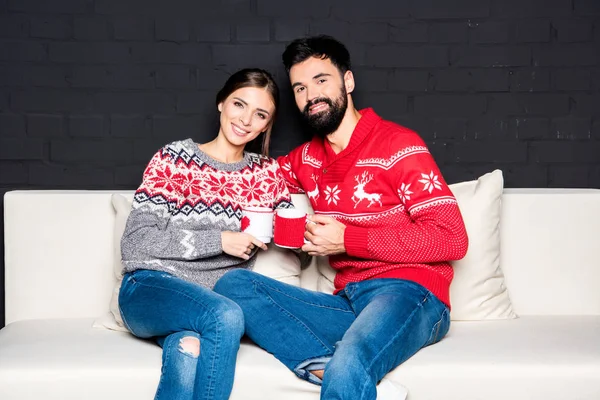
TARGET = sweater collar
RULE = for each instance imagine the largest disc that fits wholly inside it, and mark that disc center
(363, 128)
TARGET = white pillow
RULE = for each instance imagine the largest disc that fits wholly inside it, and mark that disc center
(277, 263)
(280, 264)
(478, 291)
(112, 320)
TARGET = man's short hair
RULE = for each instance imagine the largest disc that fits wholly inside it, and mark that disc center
(321, 46)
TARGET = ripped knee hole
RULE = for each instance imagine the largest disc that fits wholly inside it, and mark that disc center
(190, 345)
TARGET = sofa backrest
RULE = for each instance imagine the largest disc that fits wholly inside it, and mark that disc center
(59, 252)
(550, 250)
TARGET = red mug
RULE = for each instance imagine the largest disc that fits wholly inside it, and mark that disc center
(289, 228)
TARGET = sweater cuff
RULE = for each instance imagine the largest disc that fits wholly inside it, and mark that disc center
(356, 242)
(208, 243)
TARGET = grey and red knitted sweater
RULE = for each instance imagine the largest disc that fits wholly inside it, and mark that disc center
(185, 201)
(402, 221)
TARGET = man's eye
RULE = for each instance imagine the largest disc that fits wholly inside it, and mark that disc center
(298, 90)
(322, 80)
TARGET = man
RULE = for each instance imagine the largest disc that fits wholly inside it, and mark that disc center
(388, 222)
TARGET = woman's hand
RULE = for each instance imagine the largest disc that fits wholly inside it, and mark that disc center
(239, 244)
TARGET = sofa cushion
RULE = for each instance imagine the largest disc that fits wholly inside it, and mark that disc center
(545, 358)
(277, 263)
(69, 360)
(529, 358)
(478, 290)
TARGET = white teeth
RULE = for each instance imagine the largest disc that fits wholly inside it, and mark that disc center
(238, 130)
(317, 106)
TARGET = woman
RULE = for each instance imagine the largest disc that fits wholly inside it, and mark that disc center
(183, 234)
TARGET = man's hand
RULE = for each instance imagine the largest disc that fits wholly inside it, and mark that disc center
(326, 236)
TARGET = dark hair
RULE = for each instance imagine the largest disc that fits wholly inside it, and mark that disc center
(321, 46)
(256, 78)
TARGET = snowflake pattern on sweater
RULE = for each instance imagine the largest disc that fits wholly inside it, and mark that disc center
(185, 201)
(402, 221)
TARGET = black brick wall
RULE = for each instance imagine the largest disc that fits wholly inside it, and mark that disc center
(90, 89)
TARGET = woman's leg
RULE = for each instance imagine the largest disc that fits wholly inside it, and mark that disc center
(157, 304)
(179, 364)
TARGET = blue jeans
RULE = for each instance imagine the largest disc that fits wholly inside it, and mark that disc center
(356, 336)
(179, 314)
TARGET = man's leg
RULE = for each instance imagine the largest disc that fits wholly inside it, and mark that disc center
(299, 327)
(395, 319)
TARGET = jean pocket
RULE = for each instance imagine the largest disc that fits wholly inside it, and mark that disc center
(125, 322)
(127, 287)
(440, 328)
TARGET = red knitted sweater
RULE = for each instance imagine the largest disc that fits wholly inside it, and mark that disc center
(402, 221)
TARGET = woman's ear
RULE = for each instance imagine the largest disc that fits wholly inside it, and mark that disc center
(220, 106)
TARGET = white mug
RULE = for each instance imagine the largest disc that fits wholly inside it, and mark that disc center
(258, 222)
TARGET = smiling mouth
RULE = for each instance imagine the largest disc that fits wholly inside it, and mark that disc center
(238, 131)
(318, 107)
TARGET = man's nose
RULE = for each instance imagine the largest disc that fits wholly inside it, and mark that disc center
(311, 93)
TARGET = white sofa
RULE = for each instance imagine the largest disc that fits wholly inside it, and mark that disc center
(59, 279)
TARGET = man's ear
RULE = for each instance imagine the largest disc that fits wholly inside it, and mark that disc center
(349, 81)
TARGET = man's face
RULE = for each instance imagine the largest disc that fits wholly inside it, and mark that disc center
(320, 94)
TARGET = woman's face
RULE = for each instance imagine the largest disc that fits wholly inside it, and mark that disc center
(245, 113)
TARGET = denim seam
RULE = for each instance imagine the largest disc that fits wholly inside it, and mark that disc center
(125, 321)
(256, 282)
(162, 372)
(133, 282)
(217, 342)
(434, 332)
(378, 355)
(302, 324)
(433, 337)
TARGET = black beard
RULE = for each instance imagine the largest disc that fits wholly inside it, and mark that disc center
(326, 122)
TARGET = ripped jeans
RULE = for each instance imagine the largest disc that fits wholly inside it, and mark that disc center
(198, 330)
(356, 336)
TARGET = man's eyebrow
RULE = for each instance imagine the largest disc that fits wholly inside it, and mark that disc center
(322, 74)
(317, 76)
(259, 109)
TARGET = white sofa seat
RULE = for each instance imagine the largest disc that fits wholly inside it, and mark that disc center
(46, 359)
(526, 358)
(532, 357)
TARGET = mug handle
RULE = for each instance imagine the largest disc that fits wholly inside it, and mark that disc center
(308, 222)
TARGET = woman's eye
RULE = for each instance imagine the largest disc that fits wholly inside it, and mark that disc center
(262, 116)
(237, 104)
